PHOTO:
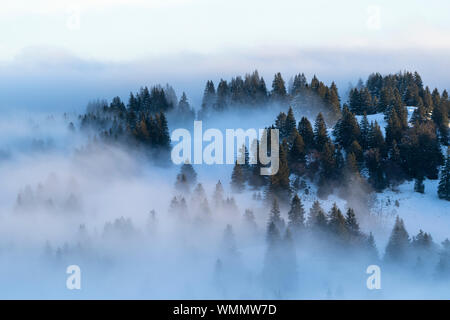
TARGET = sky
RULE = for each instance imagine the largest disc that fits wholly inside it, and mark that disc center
(98, 49)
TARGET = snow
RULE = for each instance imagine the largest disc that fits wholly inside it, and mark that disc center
(419, 211)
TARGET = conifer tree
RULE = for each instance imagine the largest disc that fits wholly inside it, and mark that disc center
(237, 178)
(188, 171)
(306, 131)
(279, 183)
(347, 129)
(278, 88)
(333, 100)
(398, 245)
(336, 222)
(297, 154)
(218, 195)
(275, 216)
(223, 96)
(351, 223)
(364, 135)
(296, 215)
(371, 248)
(209, 99)
(317, 219)
(320, 133)
(290, 125)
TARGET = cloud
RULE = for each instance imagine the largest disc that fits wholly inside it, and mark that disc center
(55, 78)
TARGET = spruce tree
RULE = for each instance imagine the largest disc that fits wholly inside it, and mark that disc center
(290, 125)
(337, 223)
(320, 133)
(364, 132)
(351, 223)
(347, 129)
(371, 248)
(218, 195)
(209, 99)
(398, 245)
(188, 171)
(317, 219)
(297, 154)
(279, 183)
(296, 215)
(306, 131)
(275, 216)
(278, 88)
(237, 178)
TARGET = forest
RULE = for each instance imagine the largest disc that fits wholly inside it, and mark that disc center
(308, 231)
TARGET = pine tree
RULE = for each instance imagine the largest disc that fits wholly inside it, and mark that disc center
(209, 99)
(223, 96)
(398, 245)
(327, 167)
(376, 173)
(275, 216)
(317, 219)
(320, 133)
(280, 124)
(333, 100)
(278, 88)
(371, 248)
(356, 149)
(306, 131)
(351, 223)
(337, 223)
(364, 132)
(296, 215)
(297, 154)
(351, 166)
(256, 180)
(237, 178)
(279, 183)
(444, 182)
(347, 129)
(376, 139)
(218, 195)
(290, 125)
(188, 171)
(163, 131)
(440, 118)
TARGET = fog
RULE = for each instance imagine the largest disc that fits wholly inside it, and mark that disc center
(70, 199)
(51, 78)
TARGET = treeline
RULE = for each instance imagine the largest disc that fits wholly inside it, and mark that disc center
(143, 119)
(359, 155)
(251, 91)
(380, 93)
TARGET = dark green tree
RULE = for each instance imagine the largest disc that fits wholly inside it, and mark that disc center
(306, 131)
(398, 245)
(296, 215)
(237, 178)
(320, 133)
